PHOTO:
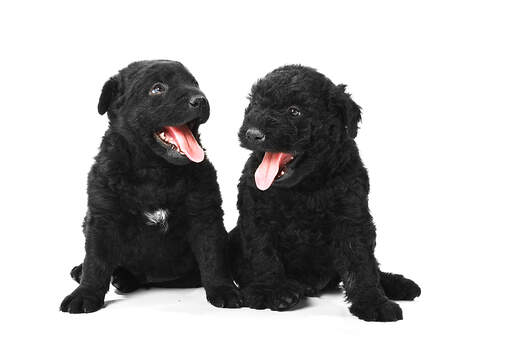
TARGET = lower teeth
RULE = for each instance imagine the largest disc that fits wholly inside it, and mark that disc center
(172, 145)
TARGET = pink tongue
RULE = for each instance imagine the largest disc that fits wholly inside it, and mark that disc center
(187, 143)
(267, 170)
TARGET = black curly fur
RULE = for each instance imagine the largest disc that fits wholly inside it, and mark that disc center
(312, 228)
(134, 174)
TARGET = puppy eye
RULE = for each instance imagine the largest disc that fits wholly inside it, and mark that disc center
(294, 111)
(157, 89)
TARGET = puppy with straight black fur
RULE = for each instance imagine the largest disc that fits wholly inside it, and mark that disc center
(154, 208)
(304, 222)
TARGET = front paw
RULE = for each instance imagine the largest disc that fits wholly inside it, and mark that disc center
(82, 300)
(224, 296)
(275, 295)
(386, 311)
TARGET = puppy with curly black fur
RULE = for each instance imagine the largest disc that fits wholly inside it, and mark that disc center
(154, 208)
(304, 221)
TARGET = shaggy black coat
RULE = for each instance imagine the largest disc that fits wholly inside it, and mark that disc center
(312, 227)
(154, 217)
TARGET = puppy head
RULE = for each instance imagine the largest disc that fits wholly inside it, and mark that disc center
(157, 104)
(294, 122)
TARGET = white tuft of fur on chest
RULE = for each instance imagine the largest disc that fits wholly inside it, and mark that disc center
(158, 218)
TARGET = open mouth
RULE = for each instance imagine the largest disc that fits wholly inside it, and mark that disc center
(181, 140)
(274, 167)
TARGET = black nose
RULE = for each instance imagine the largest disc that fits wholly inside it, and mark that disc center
(197, 101)
(255, 135)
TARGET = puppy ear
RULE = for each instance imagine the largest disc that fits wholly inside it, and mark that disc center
(348, 109)
(108, 94)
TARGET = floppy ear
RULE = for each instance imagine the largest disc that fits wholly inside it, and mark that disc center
(348, 109)
(108, 94)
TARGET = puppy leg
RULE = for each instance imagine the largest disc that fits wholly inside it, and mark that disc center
(240, 267)
(208, 241)
(262, 276)
(360, 276)
(122, 279)
(369, 302)
(209, 248)
(397, 287)
(263, 289)
(90, 294)
(95, 276)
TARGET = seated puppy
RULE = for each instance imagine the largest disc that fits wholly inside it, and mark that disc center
(304, 221)
(154, 210)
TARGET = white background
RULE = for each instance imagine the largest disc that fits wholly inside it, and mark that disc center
(434, 81)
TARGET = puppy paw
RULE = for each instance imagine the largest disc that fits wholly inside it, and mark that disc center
(277, 295)
(82, 300)
(402, 290)
(76, 273)
(407, 290)
(399, 288)
(224, 296)
(124, 281)
(386, 311)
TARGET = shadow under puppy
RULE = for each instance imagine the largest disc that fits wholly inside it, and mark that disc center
(154, 208)
(304, 222)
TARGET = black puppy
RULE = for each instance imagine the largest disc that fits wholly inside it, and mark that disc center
(154, 210)
(304, 221)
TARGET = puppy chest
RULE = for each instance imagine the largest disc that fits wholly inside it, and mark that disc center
(158, 207)
(165, 219)
(305, 228)
(153, 190)
(157, 218)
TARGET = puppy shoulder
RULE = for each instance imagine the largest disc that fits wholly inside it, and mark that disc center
(111, 162)
(113, 155)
